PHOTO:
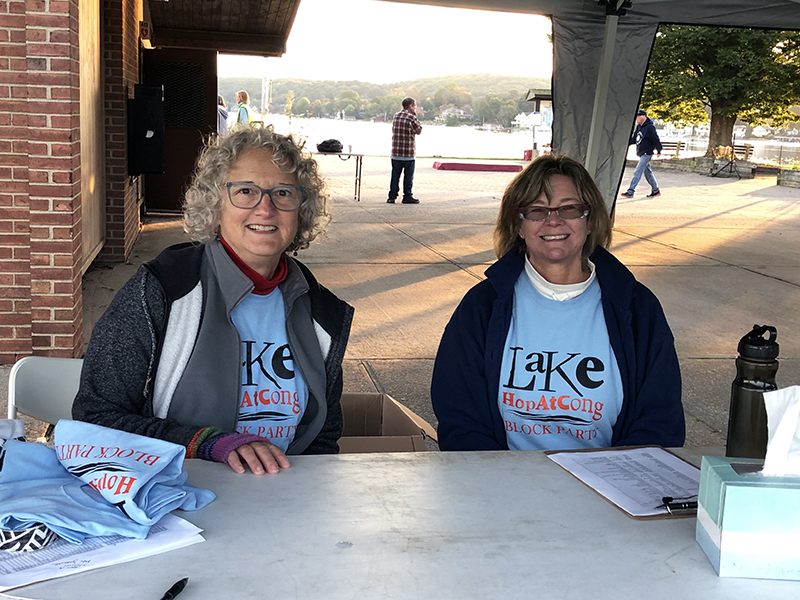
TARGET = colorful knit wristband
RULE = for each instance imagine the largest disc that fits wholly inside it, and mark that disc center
(206, 449)
(198, 439)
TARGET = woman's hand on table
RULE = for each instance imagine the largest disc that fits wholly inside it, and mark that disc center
(260, 457)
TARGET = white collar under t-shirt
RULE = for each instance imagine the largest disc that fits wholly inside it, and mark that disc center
(555, 291)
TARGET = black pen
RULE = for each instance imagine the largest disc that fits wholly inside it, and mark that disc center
(679, 507)
(175, 589)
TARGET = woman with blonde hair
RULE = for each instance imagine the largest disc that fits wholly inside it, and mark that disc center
(560, 347)
(245, 116)
(227, 345)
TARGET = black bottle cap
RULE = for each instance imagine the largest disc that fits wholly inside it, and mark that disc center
(754, 345)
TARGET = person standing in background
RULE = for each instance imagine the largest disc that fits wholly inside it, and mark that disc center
(244, 114)
(405, 128)
(647, 141)
(222, 117)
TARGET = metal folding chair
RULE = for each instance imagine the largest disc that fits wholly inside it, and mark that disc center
(44, 387)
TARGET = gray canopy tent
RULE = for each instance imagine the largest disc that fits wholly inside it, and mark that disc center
(601, 51)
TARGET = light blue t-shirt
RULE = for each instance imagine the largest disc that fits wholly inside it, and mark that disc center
(560, 386)
(274, 393)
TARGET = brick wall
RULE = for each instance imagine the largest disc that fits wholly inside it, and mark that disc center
(121, 72)
(53, 128)
(15, 284)
(41, 260)
(40, 218)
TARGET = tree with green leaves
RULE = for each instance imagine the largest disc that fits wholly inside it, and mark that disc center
(749, 74)
(452, 95)
(302, 107)
(351, 95)
(287, 108)
(428, 110)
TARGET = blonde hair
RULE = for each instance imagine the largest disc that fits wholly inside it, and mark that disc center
(243, 96)
(534, 181)
(202, 203)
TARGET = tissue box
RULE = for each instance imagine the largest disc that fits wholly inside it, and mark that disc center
(748, 525)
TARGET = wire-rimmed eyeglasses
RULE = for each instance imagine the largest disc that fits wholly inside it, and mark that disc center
(567, 212)
(243, 194)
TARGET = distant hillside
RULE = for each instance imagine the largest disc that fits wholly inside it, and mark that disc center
(228, 86)
(482, 84)
(477, 85)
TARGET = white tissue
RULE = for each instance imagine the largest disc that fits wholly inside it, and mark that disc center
(783, 425)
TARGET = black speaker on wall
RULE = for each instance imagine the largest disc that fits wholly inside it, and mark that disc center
(146, 130)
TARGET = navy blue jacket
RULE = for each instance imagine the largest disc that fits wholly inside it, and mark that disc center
(646, 138)
(466, 374)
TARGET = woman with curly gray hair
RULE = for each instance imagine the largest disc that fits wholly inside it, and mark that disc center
(560, 347)
(203, 203)
(227, 345)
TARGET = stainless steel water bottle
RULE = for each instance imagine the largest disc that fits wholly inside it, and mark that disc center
(756, 367)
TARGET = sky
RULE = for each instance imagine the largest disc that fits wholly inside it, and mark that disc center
(386, 42)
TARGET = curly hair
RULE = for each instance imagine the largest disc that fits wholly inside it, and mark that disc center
(535, 181)
(202, 203)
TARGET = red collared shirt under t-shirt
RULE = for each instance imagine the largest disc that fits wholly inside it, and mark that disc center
(405, 128)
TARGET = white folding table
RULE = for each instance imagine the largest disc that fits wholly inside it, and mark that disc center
(494, 525)
(359, 165)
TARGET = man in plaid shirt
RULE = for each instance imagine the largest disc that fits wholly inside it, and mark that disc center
(405, 128)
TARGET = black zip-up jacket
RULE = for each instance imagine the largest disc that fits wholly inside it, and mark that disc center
(466, 374)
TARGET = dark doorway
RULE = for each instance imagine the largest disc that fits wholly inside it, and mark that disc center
(189, 78)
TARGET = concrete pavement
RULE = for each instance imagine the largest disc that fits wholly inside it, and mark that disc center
(720, 254)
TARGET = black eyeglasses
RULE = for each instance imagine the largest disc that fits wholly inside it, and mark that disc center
(246, 195)
(567, 212)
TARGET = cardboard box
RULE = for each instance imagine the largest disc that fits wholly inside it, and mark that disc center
(747, 524)
(378, 423)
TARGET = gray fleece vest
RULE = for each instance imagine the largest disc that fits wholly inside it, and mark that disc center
(198, 379)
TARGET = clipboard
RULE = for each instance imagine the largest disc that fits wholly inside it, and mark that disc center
(633, 477)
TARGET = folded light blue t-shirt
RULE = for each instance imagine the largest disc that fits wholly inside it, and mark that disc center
(97, 481)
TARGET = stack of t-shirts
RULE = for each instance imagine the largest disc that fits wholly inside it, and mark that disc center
(96, 481)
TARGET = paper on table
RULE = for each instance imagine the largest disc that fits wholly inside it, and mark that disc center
(63, 558)
(635, 479)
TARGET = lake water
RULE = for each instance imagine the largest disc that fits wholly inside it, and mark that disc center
(764, 151)
(365, 137)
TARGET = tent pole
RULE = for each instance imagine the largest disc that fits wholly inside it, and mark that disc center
(601, 94)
